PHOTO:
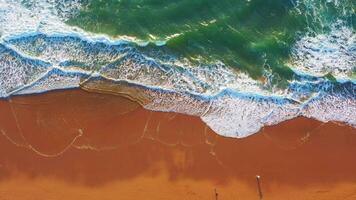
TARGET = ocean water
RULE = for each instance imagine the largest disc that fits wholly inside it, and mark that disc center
(238, 64)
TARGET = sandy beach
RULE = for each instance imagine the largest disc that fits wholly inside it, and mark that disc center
(75, 145)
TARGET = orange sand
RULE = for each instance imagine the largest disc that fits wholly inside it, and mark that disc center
(76, 145)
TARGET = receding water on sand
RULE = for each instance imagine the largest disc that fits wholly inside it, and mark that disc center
(77, 145)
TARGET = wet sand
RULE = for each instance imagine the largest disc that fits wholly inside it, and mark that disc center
(77, 145)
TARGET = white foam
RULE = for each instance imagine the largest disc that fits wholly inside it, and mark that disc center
(238, 116)
(16, 71)
(339, 106)
(58, 49)
(16, 19)
(53, 80)
(168, 101)
(124, 62)
(333, 52)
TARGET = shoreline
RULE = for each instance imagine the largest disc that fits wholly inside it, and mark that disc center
(106, 146)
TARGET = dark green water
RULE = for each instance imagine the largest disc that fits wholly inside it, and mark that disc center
(247, 35)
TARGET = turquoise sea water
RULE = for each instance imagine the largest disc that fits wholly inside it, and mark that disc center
(248, 35)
